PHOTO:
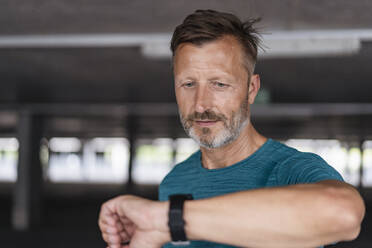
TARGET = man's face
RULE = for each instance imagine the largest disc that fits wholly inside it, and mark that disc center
(211, 87)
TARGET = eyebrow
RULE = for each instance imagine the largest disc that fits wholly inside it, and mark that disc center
(190, 78)
(186, 78)
(215, 78)
(227, 79)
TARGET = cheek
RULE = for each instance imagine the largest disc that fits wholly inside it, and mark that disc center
(227, 102)
(185, 100)
(180, 98)
(230, 105)
(183, 104)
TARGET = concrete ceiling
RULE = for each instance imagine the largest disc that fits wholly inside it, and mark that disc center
(116, 74)
(115, 16)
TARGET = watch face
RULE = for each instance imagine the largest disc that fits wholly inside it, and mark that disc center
(180, 243)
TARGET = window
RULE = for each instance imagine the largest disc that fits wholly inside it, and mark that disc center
(367, 164)
(96, 160)
(8, 159)
(185, 147)
(153, 160)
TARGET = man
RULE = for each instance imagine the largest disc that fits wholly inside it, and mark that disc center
(248, 190)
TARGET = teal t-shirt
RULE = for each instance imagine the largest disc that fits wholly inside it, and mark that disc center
(273, 164)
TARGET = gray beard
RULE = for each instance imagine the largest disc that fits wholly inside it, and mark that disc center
(228, 134)
(222, 138)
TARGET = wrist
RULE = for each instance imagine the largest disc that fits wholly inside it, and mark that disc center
(160, 218)
(187, 216)
(192, 215)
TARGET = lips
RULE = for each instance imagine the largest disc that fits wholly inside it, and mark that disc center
(205, 123)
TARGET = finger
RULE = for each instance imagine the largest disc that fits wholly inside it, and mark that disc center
(109, 220)
(130, 229)
(125, 237)
(119, 229)
(125, 220)
(107, 209)
(115, 216)
(108, 238)
(121, 225)
(104, 225)
(115, 246)
(124, 245)
(105, 237)
(108, 213)
(112, 239)
(126, 225)
(112, 236)
(109, 229)
(112, 231)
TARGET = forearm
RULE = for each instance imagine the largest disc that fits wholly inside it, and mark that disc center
(295, 216)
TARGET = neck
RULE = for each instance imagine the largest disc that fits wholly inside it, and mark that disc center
(246, 144)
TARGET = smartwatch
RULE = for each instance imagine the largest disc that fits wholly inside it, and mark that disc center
(176, 222)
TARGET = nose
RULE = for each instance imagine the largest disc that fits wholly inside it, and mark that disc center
(203, 99)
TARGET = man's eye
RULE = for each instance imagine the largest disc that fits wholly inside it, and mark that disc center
(188, 84)
(220, 85)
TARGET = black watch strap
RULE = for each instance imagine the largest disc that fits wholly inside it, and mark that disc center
(176, 222)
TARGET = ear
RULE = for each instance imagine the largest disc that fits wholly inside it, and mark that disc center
(254, 86)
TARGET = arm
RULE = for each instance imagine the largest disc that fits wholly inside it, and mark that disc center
(305, 215)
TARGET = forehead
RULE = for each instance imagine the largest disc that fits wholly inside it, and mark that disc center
(222, 54)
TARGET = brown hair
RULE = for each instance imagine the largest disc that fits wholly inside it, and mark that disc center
(209, 25)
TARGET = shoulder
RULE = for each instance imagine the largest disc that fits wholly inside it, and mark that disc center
(284, 154)
(180, 168)
(303, 167)
(180, 173)
(277, 152)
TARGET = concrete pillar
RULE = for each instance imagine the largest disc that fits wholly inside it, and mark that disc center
(361, 168)
(26, 210)
(132, 133)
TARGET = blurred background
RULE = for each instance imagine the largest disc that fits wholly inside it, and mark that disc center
(87, 109)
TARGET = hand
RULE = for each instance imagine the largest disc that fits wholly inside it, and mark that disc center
(141, 222)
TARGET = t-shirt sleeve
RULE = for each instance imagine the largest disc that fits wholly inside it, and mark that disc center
(161, 193)
(304, 167)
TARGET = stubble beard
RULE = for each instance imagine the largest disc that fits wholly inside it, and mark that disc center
(230, 132)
